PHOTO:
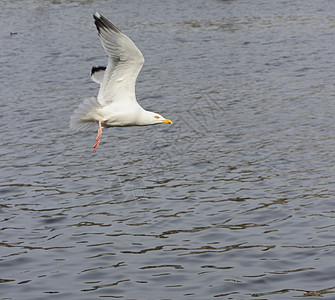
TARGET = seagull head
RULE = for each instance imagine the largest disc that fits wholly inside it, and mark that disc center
(154, 118)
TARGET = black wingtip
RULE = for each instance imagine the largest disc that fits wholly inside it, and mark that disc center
(101, 22)
(96, 69)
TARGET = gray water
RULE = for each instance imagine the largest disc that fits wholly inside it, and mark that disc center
(233, 201)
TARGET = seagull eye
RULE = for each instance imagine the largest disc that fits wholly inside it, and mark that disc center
(156, 117)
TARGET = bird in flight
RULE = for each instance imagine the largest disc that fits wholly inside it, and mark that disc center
(115, 105)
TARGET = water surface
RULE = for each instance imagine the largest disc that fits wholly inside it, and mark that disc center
(234, 201)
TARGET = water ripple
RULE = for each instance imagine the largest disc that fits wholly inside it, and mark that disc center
(233, 201)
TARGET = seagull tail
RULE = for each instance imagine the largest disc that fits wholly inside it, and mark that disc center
(84, 117)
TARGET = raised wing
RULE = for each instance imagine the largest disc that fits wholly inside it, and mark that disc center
(97, 74)
(125, 62)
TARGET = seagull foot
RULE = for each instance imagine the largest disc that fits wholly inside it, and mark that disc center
(97, 139)
(96, 146)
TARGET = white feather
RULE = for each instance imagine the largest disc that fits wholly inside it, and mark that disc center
(85, 115)
(124, 64)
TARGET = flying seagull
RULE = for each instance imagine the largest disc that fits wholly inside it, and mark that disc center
(116, 103)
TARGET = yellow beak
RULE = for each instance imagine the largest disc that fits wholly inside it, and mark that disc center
(167, 121)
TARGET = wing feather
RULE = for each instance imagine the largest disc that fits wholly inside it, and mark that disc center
(97, 74)
(124, 65)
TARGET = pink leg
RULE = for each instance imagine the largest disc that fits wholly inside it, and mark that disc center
(97, 139)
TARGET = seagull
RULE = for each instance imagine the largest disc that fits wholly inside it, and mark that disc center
(115, 105)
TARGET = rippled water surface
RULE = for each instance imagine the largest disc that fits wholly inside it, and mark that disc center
(233, 201)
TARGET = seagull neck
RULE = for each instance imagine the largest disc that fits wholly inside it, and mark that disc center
(144, 117)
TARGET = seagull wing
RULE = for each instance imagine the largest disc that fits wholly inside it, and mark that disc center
(97, 74)
(124, 64)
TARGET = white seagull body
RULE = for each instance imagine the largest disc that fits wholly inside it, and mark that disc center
(116, 103)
